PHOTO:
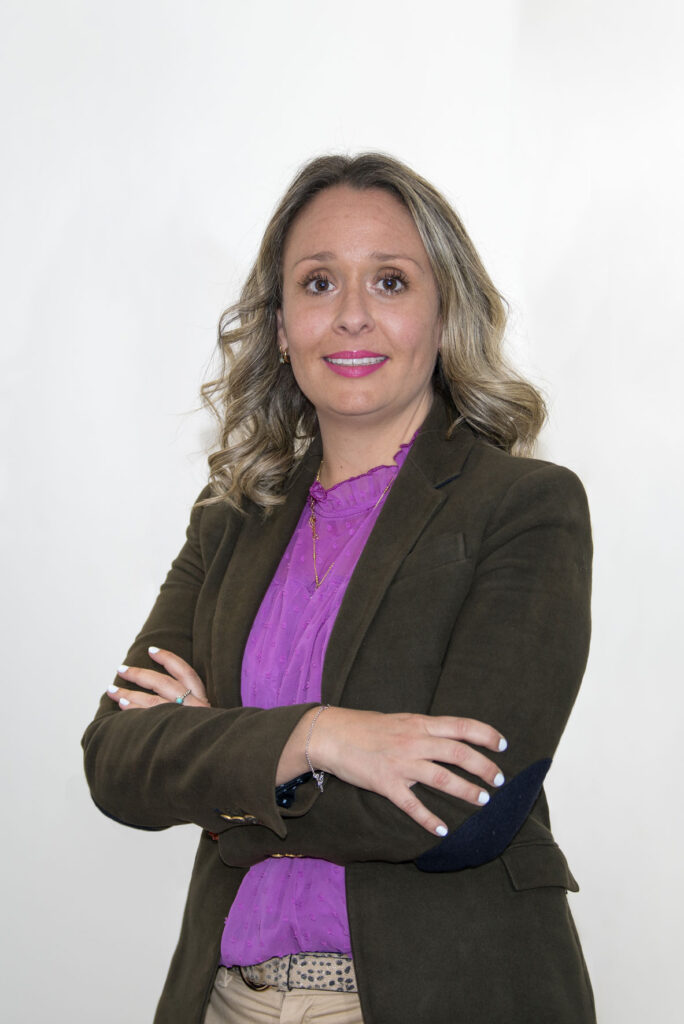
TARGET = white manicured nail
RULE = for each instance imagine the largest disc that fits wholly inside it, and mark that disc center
(499, 779)
(153, 650)
(442, 830)
(122, 668)
(123, 703)
(503, 744)
(483, 798)
(112, 688)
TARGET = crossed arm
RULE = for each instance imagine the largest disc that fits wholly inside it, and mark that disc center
(393, 782)
(384, 754)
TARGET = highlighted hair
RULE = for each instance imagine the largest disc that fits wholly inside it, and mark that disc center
(266, 422)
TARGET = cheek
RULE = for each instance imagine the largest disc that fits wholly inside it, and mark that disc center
(302, 326)
(418, 336)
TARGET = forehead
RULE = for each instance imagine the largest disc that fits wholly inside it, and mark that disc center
(349, 221)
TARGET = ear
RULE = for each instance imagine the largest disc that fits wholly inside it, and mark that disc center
(281, 334)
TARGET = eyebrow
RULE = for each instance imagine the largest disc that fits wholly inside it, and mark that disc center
(381, 257)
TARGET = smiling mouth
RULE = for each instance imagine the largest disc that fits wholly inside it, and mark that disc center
(356, 360)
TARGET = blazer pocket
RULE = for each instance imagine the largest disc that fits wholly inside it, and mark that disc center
(535, 865)
(433, 553)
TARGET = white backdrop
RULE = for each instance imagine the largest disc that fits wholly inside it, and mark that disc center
(145, 144)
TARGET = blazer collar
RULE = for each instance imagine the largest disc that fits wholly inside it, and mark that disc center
(438, 455)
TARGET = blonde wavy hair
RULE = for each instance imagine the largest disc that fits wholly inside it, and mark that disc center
(266, 422)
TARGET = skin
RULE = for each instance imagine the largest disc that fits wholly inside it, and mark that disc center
(342, 293)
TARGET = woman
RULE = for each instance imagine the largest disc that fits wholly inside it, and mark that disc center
(376, 630)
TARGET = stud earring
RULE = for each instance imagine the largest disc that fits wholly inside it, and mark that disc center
(284, 355)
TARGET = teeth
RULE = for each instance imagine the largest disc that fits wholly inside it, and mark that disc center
(364, 361)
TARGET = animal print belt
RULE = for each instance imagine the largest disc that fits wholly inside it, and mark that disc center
(325, 972)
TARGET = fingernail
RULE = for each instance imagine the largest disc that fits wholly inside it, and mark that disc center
(113, 689)
(503, 744)
(499, 779)
(123, 703)
(483, 798)
(122, 668)
(442, 830)
(153, 650)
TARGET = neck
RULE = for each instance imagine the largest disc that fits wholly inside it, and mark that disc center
(351, 449)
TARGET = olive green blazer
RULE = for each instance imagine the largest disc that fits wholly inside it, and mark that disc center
(470, 598)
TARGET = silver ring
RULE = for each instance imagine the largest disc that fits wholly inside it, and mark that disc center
(180, 700)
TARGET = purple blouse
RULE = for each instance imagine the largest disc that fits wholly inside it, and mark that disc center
(287, 905)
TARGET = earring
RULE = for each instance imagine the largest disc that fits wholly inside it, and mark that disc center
(284, 355)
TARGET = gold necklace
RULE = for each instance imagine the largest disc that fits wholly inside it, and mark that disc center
(314, 533)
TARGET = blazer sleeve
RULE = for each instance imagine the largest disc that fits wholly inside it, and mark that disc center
(515, 659)
(161, 766)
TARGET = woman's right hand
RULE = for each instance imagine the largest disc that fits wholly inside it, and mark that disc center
(166, 687)
(389, 753)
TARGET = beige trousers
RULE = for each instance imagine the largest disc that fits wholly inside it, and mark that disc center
(233, 1002)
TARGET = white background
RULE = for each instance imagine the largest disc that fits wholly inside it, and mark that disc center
(144, 146)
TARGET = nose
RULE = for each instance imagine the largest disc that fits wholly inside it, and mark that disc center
(353, 314)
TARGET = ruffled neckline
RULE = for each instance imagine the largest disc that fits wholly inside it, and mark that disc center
(358, 493)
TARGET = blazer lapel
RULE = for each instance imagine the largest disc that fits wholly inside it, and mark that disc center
(412, 502)
(257, 554)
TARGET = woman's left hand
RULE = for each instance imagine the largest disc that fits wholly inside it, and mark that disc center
(165, 688)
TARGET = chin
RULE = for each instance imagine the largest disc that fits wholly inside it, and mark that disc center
(356, 410)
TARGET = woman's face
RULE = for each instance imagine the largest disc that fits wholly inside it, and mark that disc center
(360, 314)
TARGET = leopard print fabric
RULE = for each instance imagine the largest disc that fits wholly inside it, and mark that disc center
(324, 972)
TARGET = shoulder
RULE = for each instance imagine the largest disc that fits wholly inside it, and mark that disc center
(463, 463)
(530, 497)
(453, 456)
(504, 475)
(496, 496)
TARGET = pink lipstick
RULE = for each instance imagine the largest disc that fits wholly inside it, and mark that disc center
(355, 364)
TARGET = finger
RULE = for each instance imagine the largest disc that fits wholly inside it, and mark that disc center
(410, 745)
(165, 686)
(127, 699)
(179, 669)
(170, 693)
(466, 757)
(406, 800)
(439, 777)
(469, 730)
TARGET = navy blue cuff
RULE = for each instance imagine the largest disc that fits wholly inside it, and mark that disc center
(285, 794)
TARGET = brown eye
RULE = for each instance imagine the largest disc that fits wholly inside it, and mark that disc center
(317, 284)
(392, 284)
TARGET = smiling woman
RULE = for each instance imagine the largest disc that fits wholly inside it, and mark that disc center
(265, 417)
(360, 664)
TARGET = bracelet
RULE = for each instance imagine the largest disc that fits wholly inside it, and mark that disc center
(319, 777)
